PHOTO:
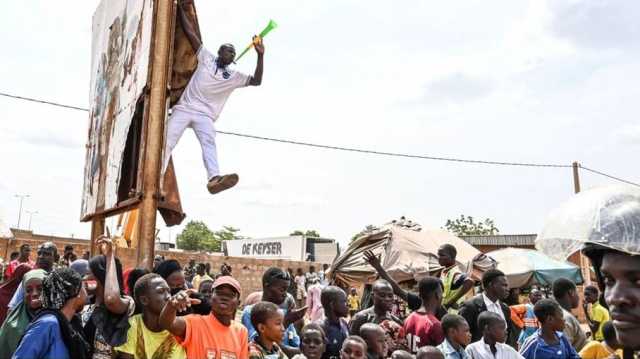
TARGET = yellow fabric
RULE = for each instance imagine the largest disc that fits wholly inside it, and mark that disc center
(598, 350)
(600, 314)
(152, 341)
(447, 276)
(354, 302)
(199, 279)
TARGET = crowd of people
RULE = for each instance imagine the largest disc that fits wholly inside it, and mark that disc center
(57, 308)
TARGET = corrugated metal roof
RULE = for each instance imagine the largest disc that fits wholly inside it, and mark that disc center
(501, 240)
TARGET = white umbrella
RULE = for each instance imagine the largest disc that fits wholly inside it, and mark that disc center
(605, 216)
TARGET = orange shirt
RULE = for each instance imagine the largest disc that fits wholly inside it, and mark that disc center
(207, 338)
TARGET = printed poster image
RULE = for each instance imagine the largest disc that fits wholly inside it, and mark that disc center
(120, 52)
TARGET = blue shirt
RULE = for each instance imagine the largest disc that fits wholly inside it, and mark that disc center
(452, 353)
(536, 348)
(290, 339)
(42, 339)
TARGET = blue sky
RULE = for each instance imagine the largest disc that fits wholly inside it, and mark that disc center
(531, 81)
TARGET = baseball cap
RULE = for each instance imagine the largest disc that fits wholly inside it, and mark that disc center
(228, 280)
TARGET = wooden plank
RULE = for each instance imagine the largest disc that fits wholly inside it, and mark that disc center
(163, 30)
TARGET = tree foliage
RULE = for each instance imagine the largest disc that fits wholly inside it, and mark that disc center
(196, 236)
(467, 226)
(308, 233)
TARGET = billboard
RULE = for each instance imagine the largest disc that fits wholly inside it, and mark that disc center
(120, 53)
(291, 248)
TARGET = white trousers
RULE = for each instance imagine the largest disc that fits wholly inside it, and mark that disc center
(205, 132)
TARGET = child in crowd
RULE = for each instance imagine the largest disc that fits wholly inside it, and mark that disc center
(145, 338)
(354, 347)
(457, 337)
(429, 352)
(605, 349)
(597, 315)
(215, 335)
(334, 301)
(401, 354)
(422, 328)
(301, 288)
(312, 342)
(548, 342)
(268, 321)
(354, 302)
(374, 336)
(494, 334)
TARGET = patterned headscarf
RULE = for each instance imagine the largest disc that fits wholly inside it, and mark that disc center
(59, 286)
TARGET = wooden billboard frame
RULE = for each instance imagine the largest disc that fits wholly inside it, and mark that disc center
(152, 135)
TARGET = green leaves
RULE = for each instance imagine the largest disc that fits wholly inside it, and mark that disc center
(308, 233)
(196, 236)
(467, 226)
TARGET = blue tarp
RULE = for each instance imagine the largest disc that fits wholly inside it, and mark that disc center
(527, 267)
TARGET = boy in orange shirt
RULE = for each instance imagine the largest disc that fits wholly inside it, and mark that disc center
(215, 335)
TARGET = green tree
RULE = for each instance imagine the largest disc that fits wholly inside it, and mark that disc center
(227, 233)
(308, 233)
(195, 236)
(467, 226)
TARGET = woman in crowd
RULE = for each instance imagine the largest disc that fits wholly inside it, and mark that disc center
(56, 332)
(8, 288)
(106, 321)
(171, 271)
(19, 318)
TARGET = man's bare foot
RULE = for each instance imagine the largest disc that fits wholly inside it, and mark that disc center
(221, 183)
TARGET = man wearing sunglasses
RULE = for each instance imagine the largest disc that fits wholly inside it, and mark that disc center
(204, 97)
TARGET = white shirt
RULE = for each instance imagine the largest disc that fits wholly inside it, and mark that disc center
(210, 86)
(481, 350)
(493, 306)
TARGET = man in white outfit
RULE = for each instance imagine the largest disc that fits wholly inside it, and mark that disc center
(203, 100)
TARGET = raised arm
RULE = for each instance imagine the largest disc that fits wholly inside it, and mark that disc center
(112, 299)
(374, 261)
(256, 79)
(168, 319)
(187, 26)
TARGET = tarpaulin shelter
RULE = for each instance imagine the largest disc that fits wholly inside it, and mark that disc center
(407, 253)
(528, 267)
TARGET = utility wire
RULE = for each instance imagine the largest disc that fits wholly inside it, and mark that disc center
(608, 175)
(358, 150)
(44, 102)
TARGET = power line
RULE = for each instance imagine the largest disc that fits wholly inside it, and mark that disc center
(395, 154)
(330, 147)
(608, 176)
(43, 102)
(358, 150)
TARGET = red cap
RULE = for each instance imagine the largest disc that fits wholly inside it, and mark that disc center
(228, 280)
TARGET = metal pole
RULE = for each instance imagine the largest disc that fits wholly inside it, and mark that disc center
(31, 213)
(22, 197)
(160, 60)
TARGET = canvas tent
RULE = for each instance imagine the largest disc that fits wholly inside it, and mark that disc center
(407, 252)
(527, 267)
